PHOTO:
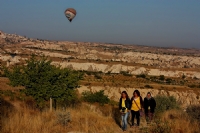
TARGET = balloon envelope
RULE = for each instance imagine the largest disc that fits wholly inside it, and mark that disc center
(70, 13)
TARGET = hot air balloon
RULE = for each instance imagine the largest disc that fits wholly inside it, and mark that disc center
(70, 13)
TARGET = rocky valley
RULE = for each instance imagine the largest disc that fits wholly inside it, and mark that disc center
(115, 67)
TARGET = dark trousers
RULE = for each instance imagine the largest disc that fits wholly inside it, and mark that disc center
(149, 116)
(137, 115)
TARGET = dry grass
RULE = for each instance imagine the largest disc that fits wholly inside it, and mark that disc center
(180, 122)
(90, 119)
(4, 84)
(28, 121)
(85, 118)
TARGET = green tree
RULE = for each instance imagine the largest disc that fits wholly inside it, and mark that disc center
(43, 80)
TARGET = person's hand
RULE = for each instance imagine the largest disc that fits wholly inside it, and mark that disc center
(122, 113)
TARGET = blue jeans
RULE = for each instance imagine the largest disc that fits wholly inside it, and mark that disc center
(124, 120)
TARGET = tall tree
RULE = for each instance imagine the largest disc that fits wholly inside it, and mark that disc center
(43, 80)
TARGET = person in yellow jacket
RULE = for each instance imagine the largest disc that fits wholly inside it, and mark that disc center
(136, 106)
(124, 107)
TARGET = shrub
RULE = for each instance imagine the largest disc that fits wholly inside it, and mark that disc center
(192, 85)
(93, 97)
(141, 76)
(97, 76)
(197, 97)
(164, 103)
(108, 73)
(63, 118)
(162, 77)
(148, 86)
(113, 103)
(125, 73)
(169, 80)
(183, 76)
(194, 112)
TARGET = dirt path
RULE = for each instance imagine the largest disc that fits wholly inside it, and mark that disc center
(143, 125)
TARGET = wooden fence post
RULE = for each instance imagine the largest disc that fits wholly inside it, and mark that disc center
(50, 104)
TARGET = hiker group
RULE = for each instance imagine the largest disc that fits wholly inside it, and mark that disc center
(137, 107)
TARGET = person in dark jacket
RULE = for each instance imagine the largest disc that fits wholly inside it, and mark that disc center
(149, 107)
(136, 106)
(124, 107)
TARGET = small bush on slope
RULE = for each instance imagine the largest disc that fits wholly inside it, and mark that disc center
(95, 97)
(194, 112)
(164, 103)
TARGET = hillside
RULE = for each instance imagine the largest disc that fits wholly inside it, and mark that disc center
(110, 67)
(112, 63)
(103, 57)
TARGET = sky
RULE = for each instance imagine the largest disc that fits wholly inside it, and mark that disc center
(163, 23)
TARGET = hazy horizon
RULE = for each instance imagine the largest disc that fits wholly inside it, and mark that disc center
(151, 23)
